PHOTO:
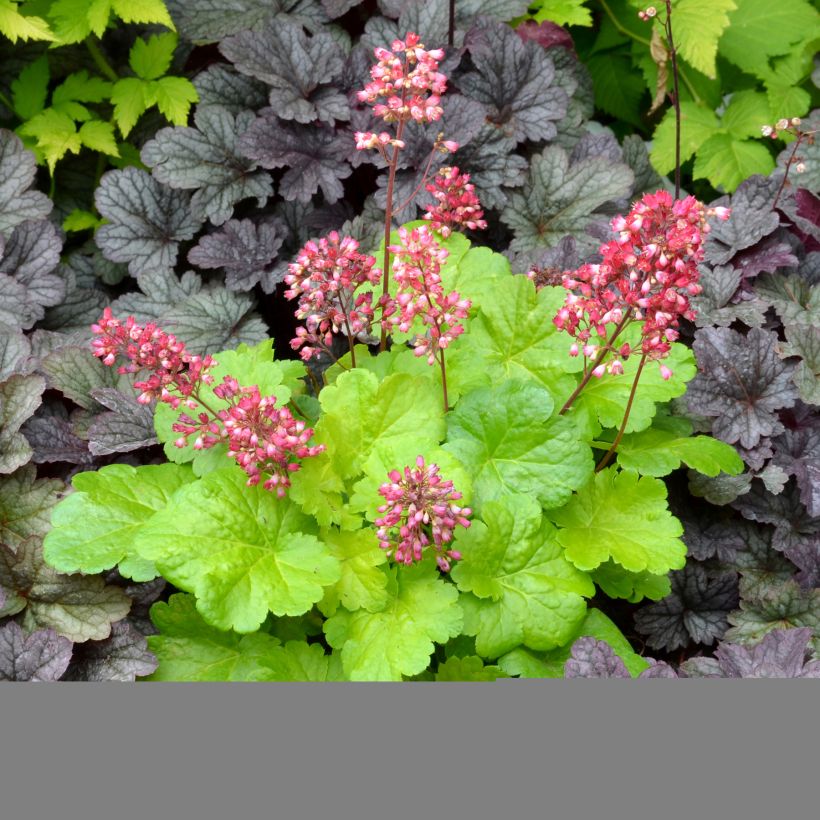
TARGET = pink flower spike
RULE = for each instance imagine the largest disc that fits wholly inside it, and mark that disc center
(456, 202)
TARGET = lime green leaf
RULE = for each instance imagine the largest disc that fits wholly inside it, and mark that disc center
(16, 26)
(81, 87)
(726, 162)
(249, 366)
(513, 337)
(398, 640)
(506, 439)
(526, 664)
(241, 550)
(151, 58)
(190, 650)
(99, 136)
(79, 220)
(128, 98)
(56, 135)
(71, 19)
(698, 123)
(622, 516)
(746, 113)
(141, 11)
(319, 491)
(619, 89)
(617, 582)
(603, 401)
(759, 29)
(363, 583)
(523, 590)
(697, 27)
(471, 668)
(478, 274)
(174, 98)
(358, 411)
(29, 90)
(93, 529)
(563, 12)
(658, 452)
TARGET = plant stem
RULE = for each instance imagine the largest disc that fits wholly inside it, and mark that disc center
(443, 379)
(424, 179)
(611, 452)
(6, 101)
(617, 24)
(676, 99)
(789, 162)
(601, 356)
(99, 59)
(451, 31)
(388, 223)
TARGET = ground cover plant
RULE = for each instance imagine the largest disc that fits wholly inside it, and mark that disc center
(394, 356)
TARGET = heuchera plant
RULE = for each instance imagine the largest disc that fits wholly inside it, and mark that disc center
(453, 509)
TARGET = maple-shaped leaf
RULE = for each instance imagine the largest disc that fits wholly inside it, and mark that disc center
(519, 588)
(315, 156)
(769, 605)
(722, 489)
(398, 640)
(205, 159)
(146, 220)
(560, 197)
(122, 656)
(751, 219)
(742, 383)
(514, 80)
(20, 396)
(783, 653)
(618, 582)
(244, 249)
(94, 527)
(126, 425)
(52, 438)
(18, 168)
(221, 85)
(715, 305)
(15, 349)
(470, 668)
(74, 20)
(206, 319)
(75, 374)
(506, 438)
(621, 516)
(41, 656)
(804, 341)
(793, 297)
(769, 254)
(205, 21)
(299, 69)
(797, 452)
(696, 610)
(244, 556)
(591, 658)
(25, 505)
(28, 260)
(79, 607)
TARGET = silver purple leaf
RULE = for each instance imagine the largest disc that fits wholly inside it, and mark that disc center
(221, 85)
(15, 350)
(592, 658)
(123, 656)
(18, 168)
(41, 656)
(52, 438)
(20, 396)
(126, 425)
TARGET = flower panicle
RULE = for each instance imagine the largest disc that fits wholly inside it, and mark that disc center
(420, 511)
(649, 273)
(456, 204)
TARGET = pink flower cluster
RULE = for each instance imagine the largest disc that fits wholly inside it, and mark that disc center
(261, 437)
(648, 273)
(456, 202)
(420, 507)
(417, 271)
(325, 277)
(149, 348)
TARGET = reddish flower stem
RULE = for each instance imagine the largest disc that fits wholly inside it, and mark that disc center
(789, 162)
(611, 452)
(676, 98)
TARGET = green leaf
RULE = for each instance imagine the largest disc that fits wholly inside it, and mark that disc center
(619, 89)
(622, 516)
(94, 528)
(759, 29)
(513, 337)
(698, 123)
(74, 20)
(358, 411)
(56, 135)
(697, 28)
(505, 437)
(151, 58)
(617, 582)
(363, 583)
(30, 89)
(249, 366)
(526, 664)
(562, 12)
(398, 640)
(99, 136)
(81, 87)
(174, 98)
(746, 113)
(523, 590)
(128, 98)
(16, 26)
(726, 162)
(658, 452)
(471, 668)
(478, 274)
(241, 550)
(141, 11)
(79, 220)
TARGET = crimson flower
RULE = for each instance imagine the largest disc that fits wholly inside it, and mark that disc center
(456, 202)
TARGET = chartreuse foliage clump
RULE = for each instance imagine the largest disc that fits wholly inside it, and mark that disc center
(297, 587)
